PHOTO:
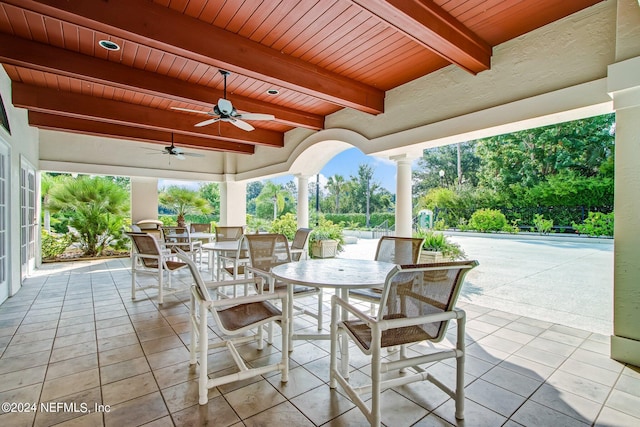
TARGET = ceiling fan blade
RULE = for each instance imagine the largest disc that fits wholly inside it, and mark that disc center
(190, 111)
(207, 122)
(193, 154)
(241, 124)
(256, 116)
(179, 156)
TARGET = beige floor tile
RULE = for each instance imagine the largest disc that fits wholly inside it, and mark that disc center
(71, 366)
(143, 410)
(216, 412)
(120, 354)
(22, 378)
(121, 370)
(322, 404)
(128, 388)
(254, 398)
(70, 384)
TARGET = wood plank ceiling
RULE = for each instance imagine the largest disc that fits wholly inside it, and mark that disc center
(319, 55)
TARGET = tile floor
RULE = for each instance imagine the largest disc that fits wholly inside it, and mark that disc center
(73, 339)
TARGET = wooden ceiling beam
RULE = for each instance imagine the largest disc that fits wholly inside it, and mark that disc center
(105, 110)
(153, 25)
(109, 130)
(434, 28)
(23, 53)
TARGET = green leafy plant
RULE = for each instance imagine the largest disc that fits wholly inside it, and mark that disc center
(328, 230)
(542, 225)
(487, 220)
(94, 208)
(596, 224)
(438, 242)
(287, 224)
(54, 244)
(183, 201)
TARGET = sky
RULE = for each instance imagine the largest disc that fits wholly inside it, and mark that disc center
(345, 164)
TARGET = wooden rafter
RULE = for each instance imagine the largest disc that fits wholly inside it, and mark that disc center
(90, 127)
(123, 113)
(156, 26)
(23, 53)
(434, 28)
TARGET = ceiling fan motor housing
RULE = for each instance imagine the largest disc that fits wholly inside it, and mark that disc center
(225, 106)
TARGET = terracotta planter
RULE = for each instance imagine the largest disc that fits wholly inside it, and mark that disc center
(324, 248)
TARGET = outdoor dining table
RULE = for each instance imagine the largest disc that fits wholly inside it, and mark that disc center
(218, 248)
(340, 274)
(201, 235)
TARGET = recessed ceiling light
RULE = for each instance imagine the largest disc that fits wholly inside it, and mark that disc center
(109, 45)
(273, 91)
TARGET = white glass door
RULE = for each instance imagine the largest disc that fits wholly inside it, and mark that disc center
(4, 221)
(28, 220)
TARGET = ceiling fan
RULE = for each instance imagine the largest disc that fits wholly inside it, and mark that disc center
(224, 111)
(177, 152)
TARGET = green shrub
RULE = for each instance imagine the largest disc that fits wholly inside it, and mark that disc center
(596, 224)
(542, 225)
(487, 220)
(287, 224)
(54, 244)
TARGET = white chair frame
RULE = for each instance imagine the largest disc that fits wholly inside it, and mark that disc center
(201, 303)
(379, 367)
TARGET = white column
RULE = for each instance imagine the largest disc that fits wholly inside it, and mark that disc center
(404, 209)
(624, 86)
(233, 203)
(144, 198)
(303, 201)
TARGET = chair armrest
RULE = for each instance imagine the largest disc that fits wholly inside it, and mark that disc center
(217, 284)
(419, 320)
(336, 300)
(281, 295)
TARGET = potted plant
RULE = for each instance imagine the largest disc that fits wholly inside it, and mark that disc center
(437, 248)
(326, 239)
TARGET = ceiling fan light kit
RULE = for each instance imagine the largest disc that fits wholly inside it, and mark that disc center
(224, 111)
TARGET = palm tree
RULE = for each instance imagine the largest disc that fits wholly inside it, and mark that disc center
(335, 185)
(275, 194)
(183, 201)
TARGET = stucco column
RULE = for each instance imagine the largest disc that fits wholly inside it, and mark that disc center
(404, 209)
(303, 201)
(144, 198)
(624, 87)
(233, 203)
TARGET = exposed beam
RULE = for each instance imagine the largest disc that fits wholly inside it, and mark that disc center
(158, 26)
(434, 28)
(90, 127)
(23, 53)
(123, 113)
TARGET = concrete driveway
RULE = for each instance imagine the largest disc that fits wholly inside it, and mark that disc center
(560, 279)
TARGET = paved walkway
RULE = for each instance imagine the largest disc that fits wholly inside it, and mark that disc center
(561, 280)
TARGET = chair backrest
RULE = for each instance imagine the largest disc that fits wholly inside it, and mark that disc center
(200, 285)
(135, 228)
(225, 234)
(421, 289)
(399, 250)
(267, 250)
(300, 241)
(176, 234)
(146, 244)
(195, 227)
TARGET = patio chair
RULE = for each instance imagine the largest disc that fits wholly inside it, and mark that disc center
(148, 258)
(396, 250)
(179, 237)
(414, 308)
(300, 245)
(240, 321)
(195, 227)
(224, 234)
(234, 264)
(269, 250)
